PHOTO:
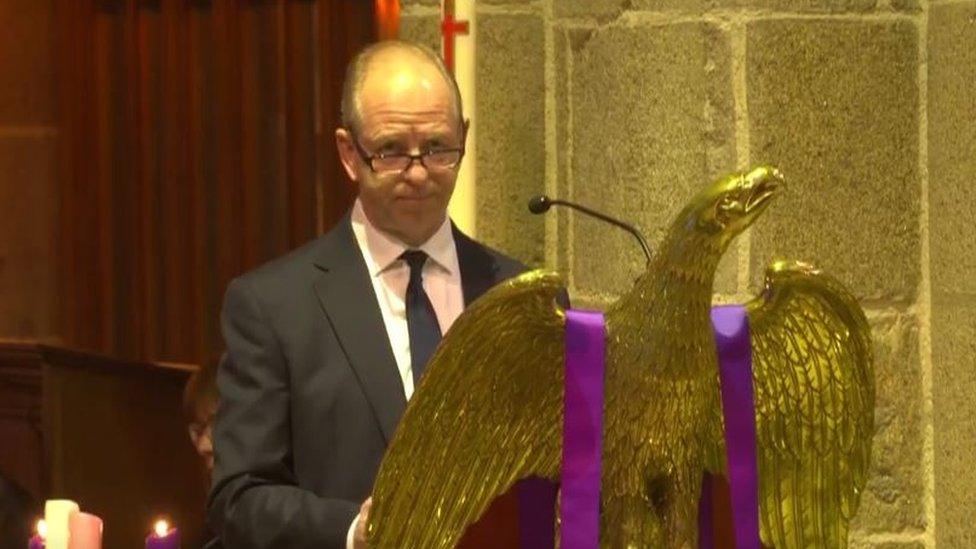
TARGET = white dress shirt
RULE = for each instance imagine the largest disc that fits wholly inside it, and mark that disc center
(389, 275)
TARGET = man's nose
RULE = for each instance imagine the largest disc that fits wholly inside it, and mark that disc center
(416, 173)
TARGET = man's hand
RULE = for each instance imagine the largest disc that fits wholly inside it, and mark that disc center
(359, 537)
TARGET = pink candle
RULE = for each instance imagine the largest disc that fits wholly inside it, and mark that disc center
(86, 531)
(37, 541)
(163, 537)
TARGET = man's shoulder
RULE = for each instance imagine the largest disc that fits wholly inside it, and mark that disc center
(504, 266)
(301, 264)
(507, 266)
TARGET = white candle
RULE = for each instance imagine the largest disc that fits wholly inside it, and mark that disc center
(56, 513)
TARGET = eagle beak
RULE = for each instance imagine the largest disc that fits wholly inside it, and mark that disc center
(766, 183)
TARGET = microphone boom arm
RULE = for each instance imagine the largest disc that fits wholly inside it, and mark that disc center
(542, 203)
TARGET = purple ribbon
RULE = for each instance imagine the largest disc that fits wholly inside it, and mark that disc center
(579, 509)
(583, 433)
(579, 506)
(732, 339)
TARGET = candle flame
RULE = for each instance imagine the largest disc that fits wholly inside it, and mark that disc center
(161, 528)
(41, 528)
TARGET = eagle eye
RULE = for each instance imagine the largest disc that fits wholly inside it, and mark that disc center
(725, 209)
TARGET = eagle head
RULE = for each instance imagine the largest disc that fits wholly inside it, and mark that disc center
(730, 205)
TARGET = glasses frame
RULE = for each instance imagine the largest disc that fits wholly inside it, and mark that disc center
(419, 157)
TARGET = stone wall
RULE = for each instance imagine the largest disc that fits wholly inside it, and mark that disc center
(868, 107)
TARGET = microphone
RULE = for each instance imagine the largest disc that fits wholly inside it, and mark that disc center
(541, 203)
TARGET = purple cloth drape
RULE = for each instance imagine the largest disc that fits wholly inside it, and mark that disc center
(731, 325)
(579, 506)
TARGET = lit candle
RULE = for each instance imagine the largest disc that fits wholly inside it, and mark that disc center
(56, 513)
(86, 531)
(37, 542)
(163, 537)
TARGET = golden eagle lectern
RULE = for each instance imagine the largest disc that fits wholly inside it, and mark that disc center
(489, 410)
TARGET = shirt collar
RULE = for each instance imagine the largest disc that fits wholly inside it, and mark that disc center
(385, 249)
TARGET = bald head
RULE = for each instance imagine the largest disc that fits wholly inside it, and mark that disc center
(395, 65)
(399, 102)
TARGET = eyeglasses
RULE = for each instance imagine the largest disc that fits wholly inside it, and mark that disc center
(390, 163)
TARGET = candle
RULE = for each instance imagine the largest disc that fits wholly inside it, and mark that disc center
(86, 531)
(37, 542)
(56, 513)
(163, 537)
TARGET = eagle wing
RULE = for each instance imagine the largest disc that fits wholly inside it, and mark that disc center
(488, 412)
(814, 389)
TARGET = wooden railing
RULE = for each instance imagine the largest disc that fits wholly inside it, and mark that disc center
(105, 432)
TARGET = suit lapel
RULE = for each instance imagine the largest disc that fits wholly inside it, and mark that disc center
(479, 271)
(348, 299)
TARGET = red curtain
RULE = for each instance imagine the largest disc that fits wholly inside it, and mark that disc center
(198, 144)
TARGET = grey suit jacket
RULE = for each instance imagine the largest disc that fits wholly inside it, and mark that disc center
(310, 394)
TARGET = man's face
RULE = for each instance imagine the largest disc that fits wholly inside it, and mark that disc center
(405, 106)
(201, 434)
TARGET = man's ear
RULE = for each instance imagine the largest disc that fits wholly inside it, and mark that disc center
(347, 152)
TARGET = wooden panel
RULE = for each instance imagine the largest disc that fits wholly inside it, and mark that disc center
(228, 218)
(127, 458)
(27, 53)
(76, 69)
(343, 27)
(300, 124)
(20, 419)
(29, 189)
(179, 323)
(140, 185)
(199, 145)
(104, 432)
(29, 216)
(200, 132)
(262, 109)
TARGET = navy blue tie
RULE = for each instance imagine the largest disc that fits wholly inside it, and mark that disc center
(425, 332)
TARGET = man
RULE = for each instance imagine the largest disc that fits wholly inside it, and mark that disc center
(200, 400)
(326, 344)
(199, 407)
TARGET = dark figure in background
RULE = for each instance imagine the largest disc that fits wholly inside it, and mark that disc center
(18, 513)
(199, 408)
(200, 400)
(326, 344)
